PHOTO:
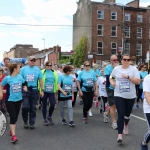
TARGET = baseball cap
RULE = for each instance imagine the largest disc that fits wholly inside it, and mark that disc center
(31, 57)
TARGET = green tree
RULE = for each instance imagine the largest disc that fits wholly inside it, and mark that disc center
(80, 53)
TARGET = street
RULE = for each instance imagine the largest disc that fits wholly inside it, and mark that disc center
(92, 136)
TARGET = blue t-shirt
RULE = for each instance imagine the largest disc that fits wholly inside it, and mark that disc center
(142, 76)
(31, 75)
(13, 87)
(67, 83)
(87, 78)
(107, 71)
(97, 72)
(49, 82)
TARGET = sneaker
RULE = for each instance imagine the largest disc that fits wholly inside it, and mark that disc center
(105, 117)
(137, 106)
(85, 120)
(55, 106)
(114, 125)
(119, 140)
(125, 130)
(81, 102)
(144, 147)
(50, 120)
(90, 114)
(10, 133)
(46, 123)
(26, 126)
(40, 107)
(71, 124)
(14, 139)
(64, 122)
(32, 126)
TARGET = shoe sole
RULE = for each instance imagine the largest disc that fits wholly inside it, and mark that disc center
(14, 141)
(119, 141)
(64, 123)
(71, 125)
(26, 127)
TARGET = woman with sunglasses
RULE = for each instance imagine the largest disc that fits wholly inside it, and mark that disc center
(50, 79)
(74, 76)
(143, 73)
(124, 93)
(65, 86)
(87, 85)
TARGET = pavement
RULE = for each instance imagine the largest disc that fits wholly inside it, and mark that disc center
(96, 135)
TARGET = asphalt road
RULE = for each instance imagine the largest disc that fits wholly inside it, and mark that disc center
(95, 135)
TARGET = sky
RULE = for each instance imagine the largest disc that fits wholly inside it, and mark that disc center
(40, 12)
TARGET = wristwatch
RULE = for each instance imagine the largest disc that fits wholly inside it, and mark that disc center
(128, 77)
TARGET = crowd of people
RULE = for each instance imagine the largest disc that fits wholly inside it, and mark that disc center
(116, 86)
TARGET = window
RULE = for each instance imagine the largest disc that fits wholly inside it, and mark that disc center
(139, 49)
(139, 32)
(126, 48)
(100, 48)
(100, 30)
(127, 32)
(139, 18)
(114, 31)
(113, 48)
(127, 17)
(113, 15)
(100, 14)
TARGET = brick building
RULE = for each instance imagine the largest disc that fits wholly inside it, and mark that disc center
(20, 51)
(110, 26)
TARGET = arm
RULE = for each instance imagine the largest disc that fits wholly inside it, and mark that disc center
(80, 92)
(96, 88)
(61, 90)
(42, 87)
(112, 82)
(1, 93)
(147, 96)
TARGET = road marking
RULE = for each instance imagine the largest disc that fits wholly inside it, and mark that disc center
(138, 117)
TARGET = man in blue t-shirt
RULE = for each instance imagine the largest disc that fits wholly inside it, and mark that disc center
(31, 75)
(110, 91)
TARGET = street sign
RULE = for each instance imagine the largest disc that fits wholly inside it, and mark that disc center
(119, 49)
(90, 56)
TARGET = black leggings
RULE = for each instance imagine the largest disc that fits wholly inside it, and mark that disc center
(13, 109)
(75, 96)
(103, 102)
(87, 102)
(124, 108)
(140, 91)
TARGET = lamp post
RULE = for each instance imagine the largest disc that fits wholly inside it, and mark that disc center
(44, 42)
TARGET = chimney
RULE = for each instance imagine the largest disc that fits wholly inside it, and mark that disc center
(109, 1)
(134, 4)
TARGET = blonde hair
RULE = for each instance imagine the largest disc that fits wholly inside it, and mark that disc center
(86, 62)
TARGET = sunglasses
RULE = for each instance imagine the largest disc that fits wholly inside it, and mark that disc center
(87, 65)
(33, 60)
(49, 65)
(115, 60)
(70, 70)
(124, 59)
(144, 67)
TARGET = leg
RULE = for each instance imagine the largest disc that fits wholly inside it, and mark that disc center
(70, 110)
(62, 109)
(90, 102)
(52, 103)
(75, 96)
(44, 105)
(139, 94)
(85, 104)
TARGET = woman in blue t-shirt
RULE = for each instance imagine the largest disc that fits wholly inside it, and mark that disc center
(87, 86)
(14, 84)
(65, 86)
(143, 73)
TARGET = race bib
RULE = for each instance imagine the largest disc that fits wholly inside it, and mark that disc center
(30, 77)
(90, 82)
(103, 88)
(49, 87)
(124, 86)
(68, 88)
(16, 87)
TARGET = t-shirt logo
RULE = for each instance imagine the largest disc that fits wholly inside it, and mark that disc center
(16, 87)
(68, 87)
(30, 77)
(124, 87)
(49, 87)
(90, 82)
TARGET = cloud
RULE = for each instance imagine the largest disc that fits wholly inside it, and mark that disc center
(26, 34)
(3, 34)
(144, 4)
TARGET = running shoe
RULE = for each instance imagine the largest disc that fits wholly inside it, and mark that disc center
(10, 133)
(114, 125)
(106, 118)
(14, 139)
(137, 106)
(81, 102)
(125, 130)
(85, 120)
(64, 122)
(119, 140)
(46, 123)
(26, 126)
(51, 122)
(90, 114)
(144, 147)
(71, 124)
(32, 126)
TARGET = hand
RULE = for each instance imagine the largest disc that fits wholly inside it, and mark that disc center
(96, 93)
(42, 94)
(114, 84)
(4, 91)
(64, 93)
(80, 93)
(124, 76)
(25, 88)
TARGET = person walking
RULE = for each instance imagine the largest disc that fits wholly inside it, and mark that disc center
(126, 76)
(65, 86)
(14, 84)
(50, 81)
(31, 75)
(87, 85)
